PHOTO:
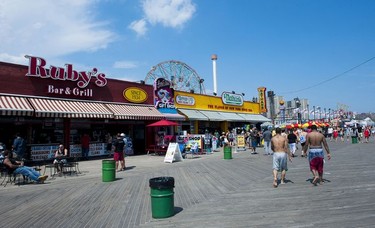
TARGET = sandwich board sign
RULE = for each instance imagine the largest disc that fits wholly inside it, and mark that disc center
(173, 153)
(241, 143)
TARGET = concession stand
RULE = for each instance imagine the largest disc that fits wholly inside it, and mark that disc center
(50, 105)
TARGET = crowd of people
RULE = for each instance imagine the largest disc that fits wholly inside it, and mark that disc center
(284, 144)
(342, 134)
(279, 143)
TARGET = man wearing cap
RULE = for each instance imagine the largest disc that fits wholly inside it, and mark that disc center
(118, 155)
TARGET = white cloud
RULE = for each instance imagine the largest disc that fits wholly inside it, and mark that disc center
(14, 59)
(169, 13)
(125, 64)
(139, 27)
(50, 28)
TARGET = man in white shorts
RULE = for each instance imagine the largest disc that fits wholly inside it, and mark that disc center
(279, 146)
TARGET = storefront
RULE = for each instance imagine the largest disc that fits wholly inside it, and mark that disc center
(206, 116)
(49, 105)
(216, 113)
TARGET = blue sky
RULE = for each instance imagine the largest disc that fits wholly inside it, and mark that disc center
(297, 48)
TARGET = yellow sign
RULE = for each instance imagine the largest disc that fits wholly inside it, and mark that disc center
(262, 99)
(240, 141)
(213, 103)
(135, 95)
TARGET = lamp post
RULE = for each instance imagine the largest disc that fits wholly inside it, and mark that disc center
(329, 115)
(320, 113)
(308, 112)
(298, 104)
(314, 111)
(325, 114)
(271, 96)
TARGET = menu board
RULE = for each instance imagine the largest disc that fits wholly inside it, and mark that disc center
(173, 153)
(45, 152)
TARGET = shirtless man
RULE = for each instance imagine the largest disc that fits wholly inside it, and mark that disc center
(279, 146)
(315, 142)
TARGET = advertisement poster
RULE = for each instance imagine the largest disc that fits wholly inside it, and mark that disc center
(241, 141)
(163, 94)
(190, 140)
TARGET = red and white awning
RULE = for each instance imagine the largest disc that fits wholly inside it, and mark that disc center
(15, 106)
(69, 109)
(135, 112)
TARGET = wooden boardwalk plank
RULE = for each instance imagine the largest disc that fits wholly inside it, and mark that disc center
(209, 192)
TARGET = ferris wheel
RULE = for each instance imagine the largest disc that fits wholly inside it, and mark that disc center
(181, 76)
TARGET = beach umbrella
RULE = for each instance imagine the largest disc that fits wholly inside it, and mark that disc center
(322, 124)
(306, 125)
(163, 123)
(289, 126)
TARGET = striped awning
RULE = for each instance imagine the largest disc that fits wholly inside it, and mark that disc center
(213, 116)
(176, 116)
(135, 112)
(69, 109)
(15, 106)
(192, 114)
(257, 118)
(232, 117)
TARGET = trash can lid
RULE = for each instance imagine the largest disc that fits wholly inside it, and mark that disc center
(162, 182)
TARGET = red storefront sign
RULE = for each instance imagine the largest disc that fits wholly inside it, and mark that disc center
(37, 68)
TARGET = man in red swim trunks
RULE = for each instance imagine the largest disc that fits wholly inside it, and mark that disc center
(315, 142)
(118, 155)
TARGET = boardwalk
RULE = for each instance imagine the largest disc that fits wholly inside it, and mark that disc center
(209, 192)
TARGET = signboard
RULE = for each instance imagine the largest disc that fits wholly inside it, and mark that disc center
(190, 140)
(46, 152)
(163, 94)
(232, 99)
(262, 99)
(37, 68)
(173, 153)
(134, 94)
(241, 142)
(212, 103)
(43, 152)
(185, 100)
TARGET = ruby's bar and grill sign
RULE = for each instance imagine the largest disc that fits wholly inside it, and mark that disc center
(38, 68)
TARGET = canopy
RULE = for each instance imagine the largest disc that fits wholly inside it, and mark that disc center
(163, 123)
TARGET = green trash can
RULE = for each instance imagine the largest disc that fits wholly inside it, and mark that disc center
(162, 197)
(227, 152)
(108, 170)
(354, 140)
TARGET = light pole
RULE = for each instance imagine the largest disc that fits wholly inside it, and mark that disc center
(308, 112)
(271, 96)
(320, 113)
(329, 115)
(298, 104)
(325, 114)
(314, 111)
